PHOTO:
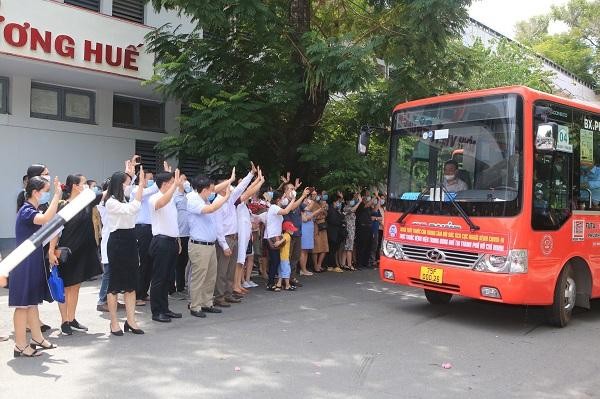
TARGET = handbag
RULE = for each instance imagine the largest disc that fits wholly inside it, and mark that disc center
(56, 285)
(322, 226)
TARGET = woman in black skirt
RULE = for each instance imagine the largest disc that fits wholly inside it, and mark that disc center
(78, 235)
(122, 250)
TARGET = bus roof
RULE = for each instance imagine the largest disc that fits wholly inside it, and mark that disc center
(526, 92)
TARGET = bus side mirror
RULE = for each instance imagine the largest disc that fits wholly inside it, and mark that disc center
(546, 136)
(362, 145)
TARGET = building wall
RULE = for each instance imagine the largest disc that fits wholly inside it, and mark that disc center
(95, 150)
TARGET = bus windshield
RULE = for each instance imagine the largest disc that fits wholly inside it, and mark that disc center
(466, 153)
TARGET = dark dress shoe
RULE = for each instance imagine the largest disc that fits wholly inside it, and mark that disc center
(231, 299)
(173, 315)
(75, 324)
(197, 313)
(212, 309)
(221, 303)
(162, 318)
(118, 333)
(296, 283)
(128, 328)
(45, 327)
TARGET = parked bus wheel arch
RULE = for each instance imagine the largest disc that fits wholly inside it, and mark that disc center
(573, 288)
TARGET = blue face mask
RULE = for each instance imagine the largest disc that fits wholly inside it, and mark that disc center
(45, 198)
(270, 194)
(352, 203)
(318, 198)
(325, 197)
(96, 190)
(187, 187)
(212, 197)
(149, 183)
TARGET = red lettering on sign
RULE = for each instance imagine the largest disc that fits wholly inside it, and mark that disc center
(131, 55)
(20, 30)
(65, 46)
(45, 42)
(109, 55)
(96, 52)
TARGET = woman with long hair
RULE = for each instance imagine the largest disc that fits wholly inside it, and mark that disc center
(28, 281)
(83, 263)
(121, 248)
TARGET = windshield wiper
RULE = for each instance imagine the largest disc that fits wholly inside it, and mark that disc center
(460, 210)
(412, 207)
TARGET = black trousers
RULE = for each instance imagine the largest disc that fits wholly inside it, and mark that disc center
(143, 235)
(273, 264)
(163, 250)
(363, 245)
(330, 258)
(177, 282)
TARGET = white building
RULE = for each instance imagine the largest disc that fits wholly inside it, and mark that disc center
(70, 91)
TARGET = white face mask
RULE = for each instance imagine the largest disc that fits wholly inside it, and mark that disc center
(85, 186)
(285, 202)
(294, 193)
(46, 177)
(449, 177)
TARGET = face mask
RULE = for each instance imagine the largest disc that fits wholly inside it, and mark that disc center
(46, 177)
(187, 187)
(318, 198)
(294, 194)
(285, 202)
(449, 177)
(127, 190)
(45, 198)
(97, 190)
(149, 183)
(212, 197)
(85, 186)
(338, 205)
(368, 199)
(382, 202)
(325, 197)
(352, 203)
(270, 194)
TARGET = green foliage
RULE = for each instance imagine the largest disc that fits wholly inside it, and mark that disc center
(576, 50)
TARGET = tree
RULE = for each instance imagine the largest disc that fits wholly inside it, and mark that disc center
(576, 50)
(257, 81)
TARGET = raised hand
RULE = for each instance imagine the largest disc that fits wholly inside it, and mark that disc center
(297, 184)
(177, 176)
(232, 178)
(57, 188)
(142, 179)
(167, 167)
(306, 192)
(253, 168)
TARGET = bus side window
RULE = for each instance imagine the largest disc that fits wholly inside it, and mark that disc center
(551, 202)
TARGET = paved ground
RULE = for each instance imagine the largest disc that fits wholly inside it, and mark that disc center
(341, 336)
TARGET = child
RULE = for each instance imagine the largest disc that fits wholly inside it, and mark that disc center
(284, 255)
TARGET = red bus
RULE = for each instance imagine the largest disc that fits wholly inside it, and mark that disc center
(495, 195)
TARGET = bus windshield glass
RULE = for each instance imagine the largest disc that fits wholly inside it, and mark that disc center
(466, 153)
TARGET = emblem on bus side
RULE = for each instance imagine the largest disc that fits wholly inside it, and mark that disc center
(393, 230)
(547, 245)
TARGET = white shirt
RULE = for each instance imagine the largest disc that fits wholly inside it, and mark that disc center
(226, 215)
(164, 220)
(182, 213)
(274, 222)
(144, 215)
(455, 185)
(121, 215)
(202, 225)
(105, 232)
(243, 217)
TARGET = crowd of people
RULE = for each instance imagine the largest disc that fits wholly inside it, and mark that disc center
(164, 236)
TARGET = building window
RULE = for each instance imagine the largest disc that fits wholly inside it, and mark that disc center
(62, 103)
(3, 95)
(93, 5)
(131, 10)
(133, 113)
(149, 158)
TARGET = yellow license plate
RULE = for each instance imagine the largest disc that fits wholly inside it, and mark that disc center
(432, 275)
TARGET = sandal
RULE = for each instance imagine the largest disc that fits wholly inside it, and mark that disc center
(41, 344)
(276, 288)
(290, 288)
(18, 352)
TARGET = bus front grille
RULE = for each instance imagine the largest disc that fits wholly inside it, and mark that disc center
(448, 257)
(427, 284)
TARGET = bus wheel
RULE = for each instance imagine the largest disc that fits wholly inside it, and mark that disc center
(437, 298)
(565, 294)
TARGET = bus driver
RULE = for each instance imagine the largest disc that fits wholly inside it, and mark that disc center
(451, 181)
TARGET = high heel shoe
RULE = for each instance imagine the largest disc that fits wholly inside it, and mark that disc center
(137, 331)
(118, 333)
(18, 352)
(41, 344)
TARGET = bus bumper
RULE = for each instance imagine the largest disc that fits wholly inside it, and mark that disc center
(516, 289)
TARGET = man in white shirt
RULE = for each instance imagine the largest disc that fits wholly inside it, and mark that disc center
(227, 228)
(164, 247)
(143, 235)
(203, 235)
(451, 181)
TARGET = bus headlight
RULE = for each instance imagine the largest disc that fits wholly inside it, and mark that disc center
(392, 250)
(515, 262)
